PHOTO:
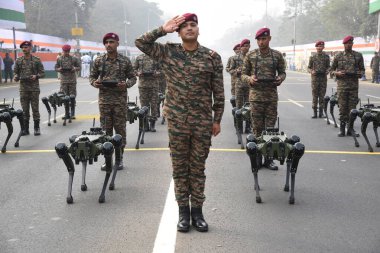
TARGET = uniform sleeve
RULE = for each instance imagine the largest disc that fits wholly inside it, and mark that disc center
(218, 90)
(41, 70)
(16, 70)
(310, 65)
(281, 67)
(77, 64)
(136, 64)
(228, 67)
(94, 71)
(328, 67)
(371, 62)
(361, 65)
(247, 70)
(130, 75)
(334, 64)
(146, 43)
(57, 65)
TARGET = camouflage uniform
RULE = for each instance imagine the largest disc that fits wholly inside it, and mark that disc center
(348, 85)
(148, 83)
(161, 80)
(29, 89)
(68, 78)
(320, 63)
(194, 90)
(233, 77)
(375, 68)
(113, 101)
(263, 96)
(241, 87)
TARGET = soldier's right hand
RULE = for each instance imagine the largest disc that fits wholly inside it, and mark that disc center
(16, 79)
(173, 24)
(253, 80)
(97, 84)
(339, 73)
(313, 72)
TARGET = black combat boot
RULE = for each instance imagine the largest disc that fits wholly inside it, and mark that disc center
(152, 126)
(25, 131)
(197, 219)
(342, 129)
(321, 113)
(37, 128)
(269, 164)
(315, 114)
(119, 160)
(183, 224)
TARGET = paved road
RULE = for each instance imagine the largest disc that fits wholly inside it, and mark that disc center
(337, 186)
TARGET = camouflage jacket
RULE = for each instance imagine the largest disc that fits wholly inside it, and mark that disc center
(351, 63)
(266, 68)
(67, 63)
(24, 68)
(375, 63)
(119, 69)
(320, 63)
(146, 69)
(194, 79)
(236, 65)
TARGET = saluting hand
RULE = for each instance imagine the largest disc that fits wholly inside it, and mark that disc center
(173, 24)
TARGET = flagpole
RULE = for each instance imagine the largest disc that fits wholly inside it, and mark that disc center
(14, 43)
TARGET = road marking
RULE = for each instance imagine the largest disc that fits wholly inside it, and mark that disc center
(337, 152)
(93, 102)
(332, 123)
(167, 231)
(372, 96)
(296, 103)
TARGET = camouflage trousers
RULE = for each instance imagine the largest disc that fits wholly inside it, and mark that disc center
(149, 97)
(242, 95)
(233, 85)
(30, 99)
(114, 117)
(189, 149)
(318, 91)
(347, 100)
(162, 85)
(263, 114)
(69, 89)
(375, 76)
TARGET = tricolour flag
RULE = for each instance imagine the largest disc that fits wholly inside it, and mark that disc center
(374, 6)
(12, 14)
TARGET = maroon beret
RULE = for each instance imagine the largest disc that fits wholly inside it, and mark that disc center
(245, 41)
(113, 36)
(236, 46)
(189, 17)
(66, 48)
(347, 39)
(262, 32)
(319, 42)
(26, 44)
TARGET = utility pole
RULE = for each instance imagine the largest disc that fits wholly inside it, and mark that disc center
(294, 34)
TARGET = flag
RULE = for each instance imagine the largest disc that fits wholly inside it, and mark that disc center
(374, 6)
(12, 14)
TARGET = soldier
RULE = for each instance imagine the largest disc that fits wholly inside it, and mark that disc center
(28, 70)
(8, 63)
(113, 100)
(147, 71)
(375, 68)
(319, 65)
(194, 76)
(228, 69)
(67, 66)
(264, 70)
(241, 88)
(348, 67)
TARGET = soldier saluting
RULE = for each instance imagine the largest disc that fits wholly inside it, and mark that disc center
(319, 65)
(264, 70)
(28, 70)
(113, 67)
(348, 67)
(194, 76)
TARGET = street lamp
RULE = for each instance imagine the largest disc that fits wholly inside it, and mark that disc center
(81, 5)
(126, 23)
(294, 34)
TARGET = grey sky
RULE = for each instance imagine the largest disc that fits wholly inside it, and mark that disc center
(216, 16)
